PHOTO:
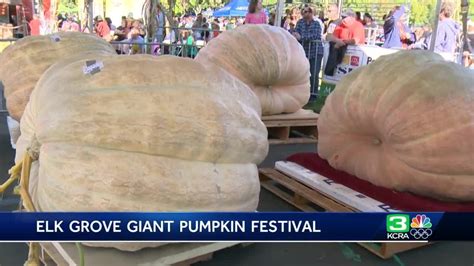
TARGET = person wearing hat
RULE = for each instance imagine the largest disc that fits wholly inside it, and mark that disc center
(349, 31)
(101, 28)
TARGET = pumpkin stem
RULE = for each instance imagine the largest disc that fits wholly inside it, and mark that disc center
(376, 141)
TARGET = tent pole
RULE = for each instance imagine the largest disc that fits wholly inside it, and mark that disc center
(90, 15)
(435, 28)
(339, 6)
(278, 15)
(464, 41)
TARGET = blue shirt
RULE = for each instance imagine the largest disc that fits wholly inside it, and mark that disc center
(310, 37)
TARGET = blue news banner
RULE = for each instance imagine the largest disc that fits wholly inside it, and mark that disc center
(236, 226)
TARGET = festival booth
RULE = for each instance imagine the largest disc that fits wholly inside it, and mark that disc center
(235, 8)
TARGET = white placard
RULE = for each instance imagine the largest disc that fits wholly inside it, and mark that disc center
(92, 67)
(356, 56)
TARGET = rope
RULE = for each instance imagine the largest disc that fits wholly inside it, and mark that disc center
(21, 172)
(81, 253)
(10, 27)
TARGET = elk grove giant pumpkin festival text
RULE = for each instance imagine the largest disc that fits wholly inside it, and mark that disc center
(182, 226)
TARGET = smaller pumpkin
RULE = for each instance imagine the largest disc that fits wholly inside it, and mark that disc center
(269, 60)
(24, 62)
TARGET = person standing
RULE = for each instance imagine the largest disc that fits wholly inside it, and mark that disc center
(448, 31)
(321, 23)
(349, 31)
(333, 19)
(255, 14)
(35, 25)
(197, 27)
(308, 33)
(369, 21)
(215, 28)
(160, 24)
(101, 28)
(359, 17)
(70, 25)
(122, 31)
(396, 31)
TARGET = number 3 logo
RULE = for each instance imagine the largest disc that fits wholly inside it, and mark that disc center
(398, 223)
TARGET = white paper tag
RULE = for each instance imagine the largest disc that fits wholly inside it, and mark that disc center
(55, 38)
(92, 67)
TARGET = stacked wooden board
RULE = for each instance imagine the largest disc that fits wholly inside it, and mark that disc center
(299, 127)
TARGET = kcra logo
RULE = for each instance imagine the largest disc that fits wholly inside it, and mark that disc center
(399, 227)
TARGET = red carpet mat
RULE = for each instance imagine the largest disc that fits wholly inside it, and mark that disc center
(399, 200)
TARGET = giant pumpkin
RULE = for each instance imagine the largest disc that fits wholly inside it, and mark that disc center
(23, 62)
(404, 122)
(269, 60)
(137, 136)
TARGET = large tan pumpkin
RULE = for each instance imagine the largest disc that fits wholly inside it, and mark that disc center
(269, 60)
(23, 62)
(404, 122)
(137, 136)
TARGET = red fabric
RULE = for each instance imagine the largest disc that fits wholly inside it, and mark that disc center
(34, 27)
(47, 9)
(350, 29)
(28, 7)
(103, 29)
(399, 200)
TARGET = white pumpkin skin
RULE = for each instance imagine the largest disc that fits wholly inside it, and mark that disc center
(404, 122)
(142, 138)
(269, 60)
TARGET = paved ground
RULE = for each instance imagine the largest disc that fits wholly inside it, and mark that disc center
(452, 254)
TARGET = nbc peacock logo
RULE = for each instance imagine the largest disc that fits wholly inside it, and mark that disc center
(401, 227)
(421, 227)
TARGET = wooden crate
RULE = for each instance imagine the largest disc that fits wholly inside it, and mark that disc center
(177, 254)
(309, 200)
(299, 127)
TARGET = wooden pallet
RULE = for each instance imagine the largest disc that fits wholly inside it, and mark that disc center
(178, 254)
(309, 200)
(299, 127)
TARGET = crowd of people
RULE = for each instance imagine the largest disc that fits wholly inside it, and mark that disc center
(309, 26)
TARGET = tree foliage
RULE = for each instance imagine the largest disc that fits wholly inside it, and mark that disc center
(68, 6)
(421, 11)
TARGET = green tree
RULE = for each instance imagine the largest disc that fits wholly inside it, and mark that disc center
(422, 12)
(68, 6)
